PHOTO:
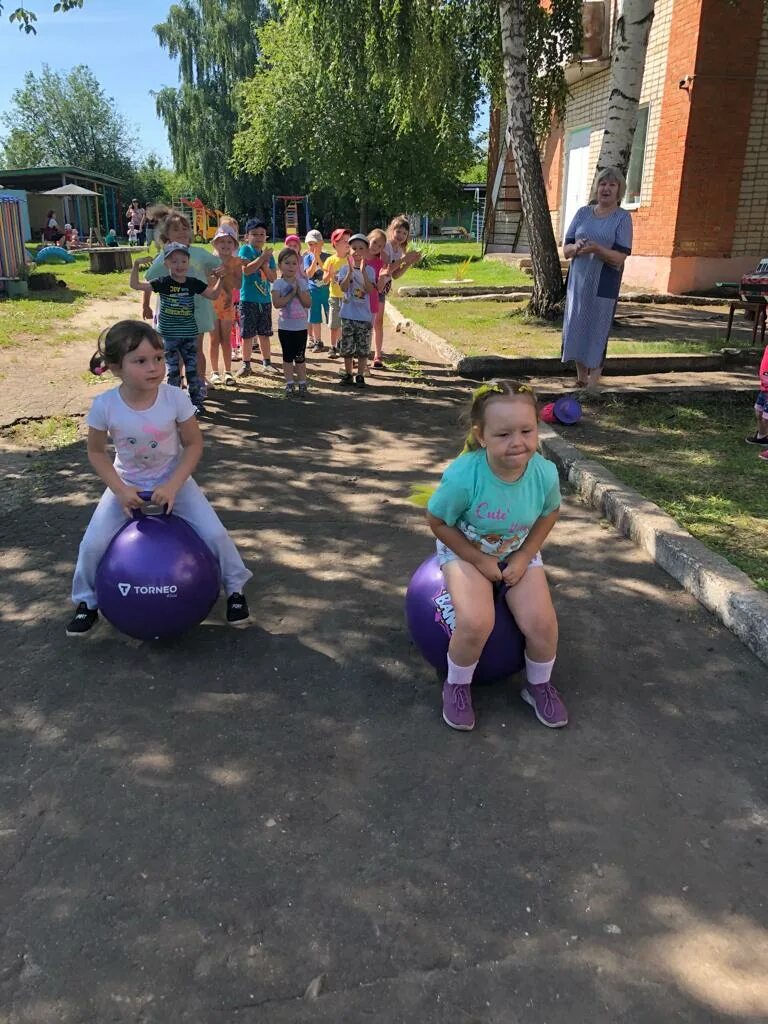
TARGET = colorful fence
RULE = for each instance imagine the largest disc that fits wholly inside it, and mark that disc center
(12, 252)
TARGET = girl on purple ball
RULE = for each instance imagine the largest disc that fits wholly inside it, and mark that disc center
(158, 444)
(494, 508)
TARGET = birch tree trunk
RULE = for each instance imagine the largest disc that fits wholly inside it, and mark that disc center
(630, 45)
(548, 287)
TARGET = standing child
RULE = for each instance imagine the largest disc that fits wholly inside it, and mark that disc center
(314, 260)
(259, 272)
(357, 282)
(225, 245)
(492, 511)
(760, 435)
(133, 234)
(290, 294)
(174, 227)
(331, 267)
(397, 260)
(157, 444)
(377, 240)
(176, 316)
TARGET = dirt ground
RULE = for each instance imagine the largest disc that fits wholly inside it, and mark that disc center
(273, 824)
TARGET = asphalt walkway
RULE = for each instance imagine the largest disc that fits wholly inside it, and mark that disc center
(273, 825)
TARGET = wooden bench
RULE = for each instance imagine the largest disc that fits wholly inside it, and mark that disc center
(757, 308)
(455, 232)
(107, 259)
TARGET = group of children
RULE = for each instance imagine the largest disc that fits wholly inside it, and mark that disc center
(490, 514)
(346, 288)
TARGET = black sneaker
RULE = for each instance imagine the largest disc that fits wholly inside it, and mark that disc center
(237, 610)
(360, 381)
(85, 619)
(346, 379)
(245, 371)
(334, 353)
(756, 439)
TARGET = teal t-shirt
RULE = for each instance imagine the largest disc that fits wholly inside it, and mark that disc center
(494, 515)
(255, 287)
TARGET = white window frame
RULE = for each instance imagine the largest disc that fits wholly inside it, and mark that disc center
(638, 202)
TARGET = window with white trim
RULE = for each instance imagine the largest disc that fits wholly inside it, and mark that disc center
(637, 159)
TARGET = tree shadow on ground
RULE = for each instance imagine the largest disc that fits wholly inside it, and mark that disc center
(195, 829)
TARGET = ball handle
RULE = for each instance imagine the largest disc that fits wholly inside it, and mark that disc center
(137, 513)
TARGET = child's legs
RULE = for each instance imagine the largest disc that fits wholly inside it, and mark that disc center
(200, 358)
(315, 315)
(172, 361)
(225, 331)
(334, 306)
(265, 343)
(106, 520)
(378, 330)
(531, 604)
(363, 345)
(472, 598)
(215, 343)
(264, 329)
(193, 506)
(188, 347)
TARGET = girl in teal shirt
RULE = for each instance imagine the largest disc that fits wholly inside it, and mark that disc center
(492, 511)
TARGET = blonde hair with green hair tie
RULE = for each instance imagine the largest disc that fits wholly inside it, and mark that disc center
(481, 398)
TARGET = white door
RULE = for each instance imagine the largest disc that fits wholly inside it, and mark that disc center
(576, 171)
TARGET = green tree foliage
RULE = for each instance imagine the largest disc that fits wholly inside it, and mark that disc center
(152, 182)
(337, 122)
(25, 18)
(58, 118)
(216, 44)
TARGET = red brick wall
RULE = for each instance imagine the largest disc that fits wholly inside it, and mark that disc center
(552, 166)
(703, 130)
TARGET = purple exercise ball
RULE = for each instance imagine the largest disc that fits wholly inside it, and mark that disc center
(430, 616)
(157, 577)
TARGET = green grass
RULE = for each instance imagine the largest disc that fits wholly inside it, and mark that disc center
(501, 328)
(451, 256)
(49, 434)
(44, 315)
(690, 458)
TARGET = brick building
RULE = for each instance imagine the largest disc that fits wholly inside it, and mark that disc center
(698, 173)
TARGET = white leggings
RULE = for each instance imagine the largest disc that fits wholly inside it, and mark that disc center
(192, 505)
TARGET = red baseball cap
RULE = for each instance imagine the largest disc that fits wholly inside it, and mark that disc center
(338, 233)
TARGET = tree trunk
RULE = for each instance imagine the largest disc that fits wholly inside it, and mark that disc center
(364, 217)
(630, 44)
(548, 287)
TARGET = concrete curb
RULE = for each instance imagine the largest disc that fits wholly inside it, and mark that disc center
(485, 367)
(524, 290)
(723, 589)
(439, 345)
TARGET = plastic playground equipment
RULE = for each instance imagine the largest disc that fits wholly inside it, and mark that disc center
(205, 221)
(291, 214)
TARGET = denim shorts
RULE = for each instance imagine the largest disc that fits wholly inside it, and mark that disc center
(761, 404)
(445, 555)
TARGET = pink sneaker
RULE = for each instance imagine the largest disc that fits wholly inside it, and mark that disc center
(457, 707)
(547, 703)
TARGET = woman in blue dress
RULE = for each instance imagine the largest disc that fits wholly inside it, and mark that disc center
(597, 242)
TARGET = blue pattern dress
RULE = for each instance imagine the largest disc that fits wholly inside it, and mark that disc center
(593, 286)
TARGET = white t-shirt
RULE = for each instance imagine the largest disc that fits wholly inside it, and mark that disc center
(147, 445)
(292, 317)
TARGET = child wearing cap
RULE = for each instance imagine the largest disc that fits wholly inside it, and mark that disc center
(224, 245)
(314, 261)
(259, 272)
(176, 317)
(357, 281)
(331, 267)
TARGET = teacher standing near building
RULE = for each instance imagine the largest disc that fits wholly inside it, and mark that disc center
(597, 242)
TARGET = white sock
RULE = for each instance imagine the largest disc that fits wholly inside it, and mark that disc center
(460, 675)
(538, 672)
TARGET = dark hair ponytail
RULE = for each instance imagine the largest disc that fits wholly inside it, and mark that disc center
(118, 340)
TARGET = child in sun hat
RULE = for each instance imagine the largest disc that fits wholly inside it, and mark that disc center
(225, 246)
(357, 281)
(314, 261)
(331, 267)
